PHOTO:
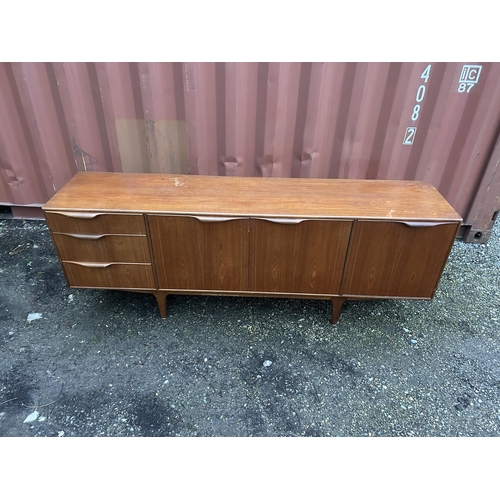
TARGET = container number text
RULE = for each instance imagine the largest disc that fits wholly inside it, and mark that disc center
(410, 132)
(409, 135)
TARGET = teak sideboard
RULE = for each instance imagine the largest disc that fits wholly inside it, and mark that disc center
(334, 239)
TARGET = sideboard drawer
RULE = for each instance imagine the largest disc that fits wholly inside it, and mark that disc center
(109, 275)
(102, 248)
(96, 223)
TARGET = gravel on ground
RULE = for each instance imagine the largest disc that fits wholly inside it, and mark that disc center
(76, 362)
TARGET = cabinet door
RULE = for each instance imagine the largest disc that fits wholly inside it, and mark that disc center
(397, 259)
(297, 256)
(200, 253)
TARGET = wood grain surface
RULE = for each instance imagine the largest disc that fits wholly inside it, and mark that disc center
(303, 257)
(390, 259)
(107, 248)
(96, 223)
(112, 276)
(249, 196)
(200, 255)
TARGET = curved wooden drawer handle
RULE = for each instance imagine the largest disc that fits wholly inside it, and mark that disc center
(281, 221)
(102, 265)
(203, 218)
(98, 236)
(85, 236)
(421, 224)
(79, 215)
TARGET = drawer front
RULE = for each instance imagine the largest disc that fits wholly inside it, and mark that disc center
(109, 275)
(298, 256)
(397, 259)
(95, 223)
(102, 248)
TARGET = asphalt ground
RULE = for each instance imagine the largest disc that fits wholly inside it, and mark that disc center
(104, 363)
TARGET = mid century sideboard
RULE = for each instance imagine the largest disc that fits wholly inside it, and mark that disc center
(333, 239)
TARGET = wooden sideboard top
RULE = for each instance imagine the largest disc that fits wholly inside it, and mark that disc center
(252, 196)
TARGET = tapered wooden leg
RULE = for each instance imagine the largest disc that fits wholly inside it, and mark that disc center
(336, 307)
(161, 298)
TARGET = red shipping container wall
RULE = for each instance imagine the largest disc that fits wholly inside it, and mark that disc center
(438, 122)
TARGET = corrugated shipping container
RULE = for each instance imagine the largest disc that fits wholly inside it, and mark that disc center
(438, 122)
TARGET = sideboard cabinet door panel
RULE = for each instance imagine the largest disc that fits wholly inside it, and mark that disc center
(298, 256)
(200, 253)
(397, 259)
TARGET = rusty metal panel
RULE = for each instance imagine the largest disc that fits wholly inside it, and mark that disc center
(485, 206)
(438, 122)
